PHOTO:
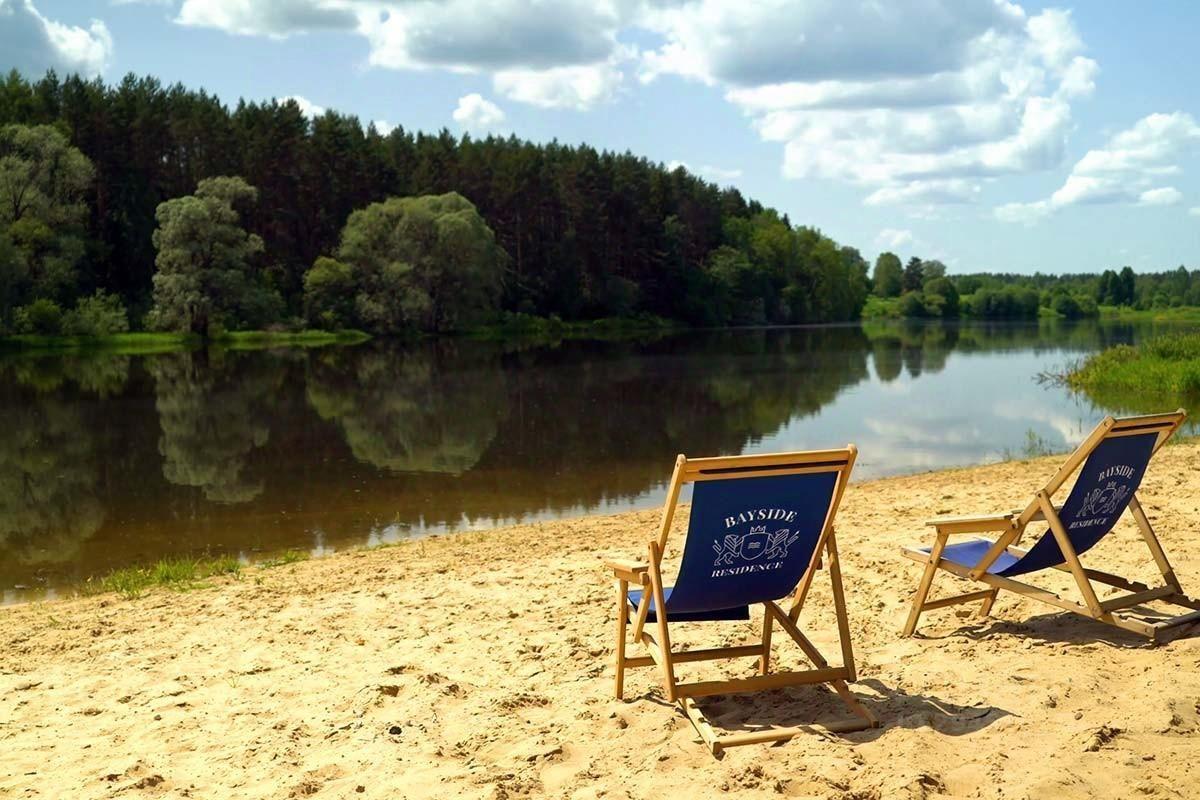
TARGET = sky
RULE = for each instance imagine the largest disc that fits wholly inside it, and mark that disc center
(993, 136)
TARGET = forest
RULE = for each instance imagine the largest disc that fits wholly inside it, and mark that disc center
(149, 207)
(585, 234)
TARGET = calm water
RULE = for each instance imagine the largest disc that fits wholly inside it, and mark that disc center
(107, 461)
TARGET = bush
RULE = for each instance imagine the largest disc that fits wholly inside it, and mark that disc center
(329, 290)
(40, 317)
(102, 314)
(912, 305)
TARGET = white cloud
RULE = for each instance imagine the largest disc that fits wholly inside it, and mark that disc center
(560, 54)
(894, 238)
(307, 107)
(1194, 211)
(383, 126)
(274, 18)
(707, 171)
(1166, 196)
(927, 192)
(1123, 171)
(475, 113)
(577, 87)
(917, 102)
(34, 44)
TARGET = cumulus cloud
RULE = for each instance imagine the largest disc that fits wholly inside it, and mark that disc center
(1166, 196)
(1125, 170)
(577, 87)
(553, 54)
(33, 44)
(894, 238)
(307, 107)
(916, 101)
(475, 113)
(383, 126)
(707, 171)
(274, 18)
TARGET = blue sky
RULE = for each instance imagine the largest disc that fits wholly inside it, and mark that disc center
(994, 136)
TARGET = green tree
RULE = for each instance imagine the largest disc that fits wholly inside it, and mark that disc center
(206, 260)
(932, 269)
(941, 298)
(43, 181)
(889, 275)
(425, 263)
(1127, 294)
(914, 275)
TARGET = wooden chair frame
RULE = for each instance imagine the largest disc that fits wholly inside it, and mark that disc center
(1011, 527)
(648, 575)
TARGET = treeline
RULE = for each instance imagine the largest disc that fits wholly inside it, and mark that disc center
(587, 233)
(922, 289)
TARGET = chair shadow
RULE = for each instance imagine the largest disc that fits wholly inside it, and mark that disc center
(818, 705)
(1068, 629)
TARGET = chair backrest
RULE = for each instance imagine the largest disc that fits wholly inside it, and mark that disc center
(755, 526)
(1115, 458)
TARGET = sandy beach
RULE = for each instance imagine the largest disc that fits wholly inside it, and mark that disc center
(479, 665)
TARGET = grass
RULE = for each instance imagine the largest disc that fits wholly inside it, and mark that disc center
(180, 574)
(526, 326)
(142, 343)
(286, 557)
(1161, 371)
(1127, 314)
(146, 343)
(254, 340)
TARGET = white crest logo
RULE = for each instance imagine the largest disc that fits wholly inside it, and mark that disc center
(754, 545)
(1101, 502)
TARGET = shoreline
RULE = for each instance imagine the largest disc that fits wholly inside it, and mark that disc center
(90, 586)
(478, 664)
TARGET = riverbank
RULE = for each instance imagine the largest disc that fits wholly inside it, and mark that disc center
(1158, 373)
(478, 665)
(148, 343)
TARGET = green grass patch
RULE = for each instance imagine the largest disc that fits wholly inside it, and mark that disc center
(255, 340)
(530, 326)
(1160, 372)
(286, 557)
(132, 344)
(1127, 314)
(180, 574)
(146, 343)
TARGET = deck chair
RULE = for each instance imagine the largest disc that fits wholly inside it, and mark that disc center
(757, 529)
(1114, 458)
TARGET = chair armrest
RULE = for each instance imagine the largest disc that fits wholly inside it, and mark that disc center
(628, 569)
(979, 523)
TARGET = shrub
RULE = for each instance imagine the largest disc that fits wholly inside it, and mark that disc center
(42, 316)
(912, 304)
(102, 314)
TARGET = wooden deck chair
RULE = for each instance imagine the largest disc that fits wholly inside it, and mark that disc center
(757, 529)
(1114, 458)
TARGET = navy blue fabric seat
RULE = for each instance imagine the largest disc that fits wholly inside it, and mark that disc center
(710, 615)
(969, 553)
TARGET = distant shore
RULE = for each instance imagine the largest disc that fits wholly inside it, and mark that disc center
(478, 665)
(516, 327)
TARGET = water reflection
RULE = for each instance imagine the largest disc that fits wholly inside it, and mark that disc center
(49, 477)
(111, 461)
(430, 409)
(214, 409)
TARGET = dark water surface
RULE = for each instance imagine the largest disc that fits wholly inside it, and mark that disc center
(107, 461)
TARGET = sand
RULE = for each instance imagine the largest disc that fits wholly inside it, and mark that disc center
(479, 665)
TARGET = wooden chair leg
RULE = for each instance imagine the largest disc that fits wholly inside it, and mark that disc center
(622, 620)
(935, 556)
(989, 601)
(764, 662)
